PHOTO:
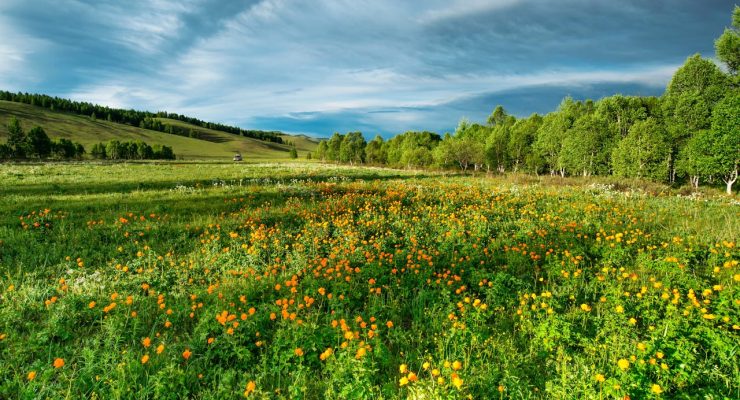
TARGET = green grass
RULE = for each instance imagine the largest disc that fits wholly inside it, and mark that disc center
(510, 288)
(215, 145)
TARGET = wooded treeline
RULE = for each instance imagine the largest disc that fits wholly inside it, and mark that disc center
(141, 119)
(689, 134)
(36, 144)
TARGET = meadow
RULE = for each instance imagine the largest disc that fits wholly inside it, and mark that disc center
(297, 280)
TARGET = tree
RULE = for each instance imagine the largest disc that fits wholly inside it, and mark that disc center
(375, 151)
(586, 148)
(144, 151)
(16, 138)
(643, 153)
(727, 46)
(352, 149)
(322, 150)
(521, 137)
(497, 117)
(98, 151)
(38, 143)
(293, 152)
(112, 149)
(726, 138)
(696, 159)
(688, 101)
(334, 145)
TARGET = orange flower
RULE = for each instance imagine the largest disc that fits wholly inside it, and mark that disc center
(92, 304)
(160, 349)
(145, 358)
(250, 388)
(32, 375)
(298, 352)
(389, 324)
(58, 363)
(186, 354)
(146, 342)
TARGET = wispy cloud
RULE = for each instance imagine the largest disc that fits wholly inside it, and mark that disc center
(320, 66)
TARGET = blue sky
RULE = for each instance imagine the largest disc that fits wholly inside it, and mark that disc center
(379, 66)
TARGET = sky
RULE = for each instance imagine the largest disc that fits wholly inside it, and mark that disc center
(378, 66)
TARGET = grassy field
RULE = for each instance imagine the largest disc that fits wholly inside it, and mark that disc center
(212, 281)
(214, 145)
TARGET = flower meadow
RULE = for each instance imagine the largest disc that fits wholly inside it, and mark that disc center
(217, 281)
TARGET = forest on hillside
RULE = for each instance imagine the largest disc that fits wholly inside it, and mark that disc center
(689, 134)
(141, 119)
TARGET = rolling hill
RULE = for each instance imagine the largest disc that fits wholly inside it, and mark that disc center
(210, 144)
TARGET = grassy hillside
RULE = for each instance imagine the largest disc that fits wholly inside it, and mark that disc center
(210, 144)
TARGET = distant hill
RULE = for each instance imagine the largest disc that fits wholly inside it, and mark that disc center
(206, 143)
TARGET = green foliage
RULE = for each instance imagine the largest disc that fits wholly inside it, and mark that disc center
(727, 46)
(643, 153)
(280, 282)
(352, 148)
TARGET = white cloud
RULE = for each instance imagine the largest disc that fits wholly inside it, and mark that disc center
(462, 8)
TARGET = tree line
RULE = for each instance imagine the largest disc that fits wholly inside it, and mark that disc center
(36, 145)
(131, 150)
(142, 119)
(689, 134)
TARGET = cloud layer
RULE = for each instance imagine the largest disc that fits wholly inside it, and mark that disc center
(376, 65)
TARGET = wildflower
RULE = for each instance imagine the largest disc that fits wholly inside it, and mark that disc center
(389, 324)
(298, 352)
(599, 378)
(31, 375)
(656, 389)
(402, 368)
(412, 377)
(585, 307)
(58, 362)
(186, 354)
(425, 365)
(250, 388)
(160, 349)
(623, 364)
(146, 342)
(403, 381)
(456, 365)
(457, 382)
(91, 305)
(145, 359)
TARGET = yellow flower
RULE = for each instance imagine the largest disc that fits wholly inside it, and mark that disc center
(623, 364)
(619, 309)
(403, 381)
(656, 389)
(425, 365)
(457, 382)
(402, 368)
(585, 307)
(456, 365)
(599, 378)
